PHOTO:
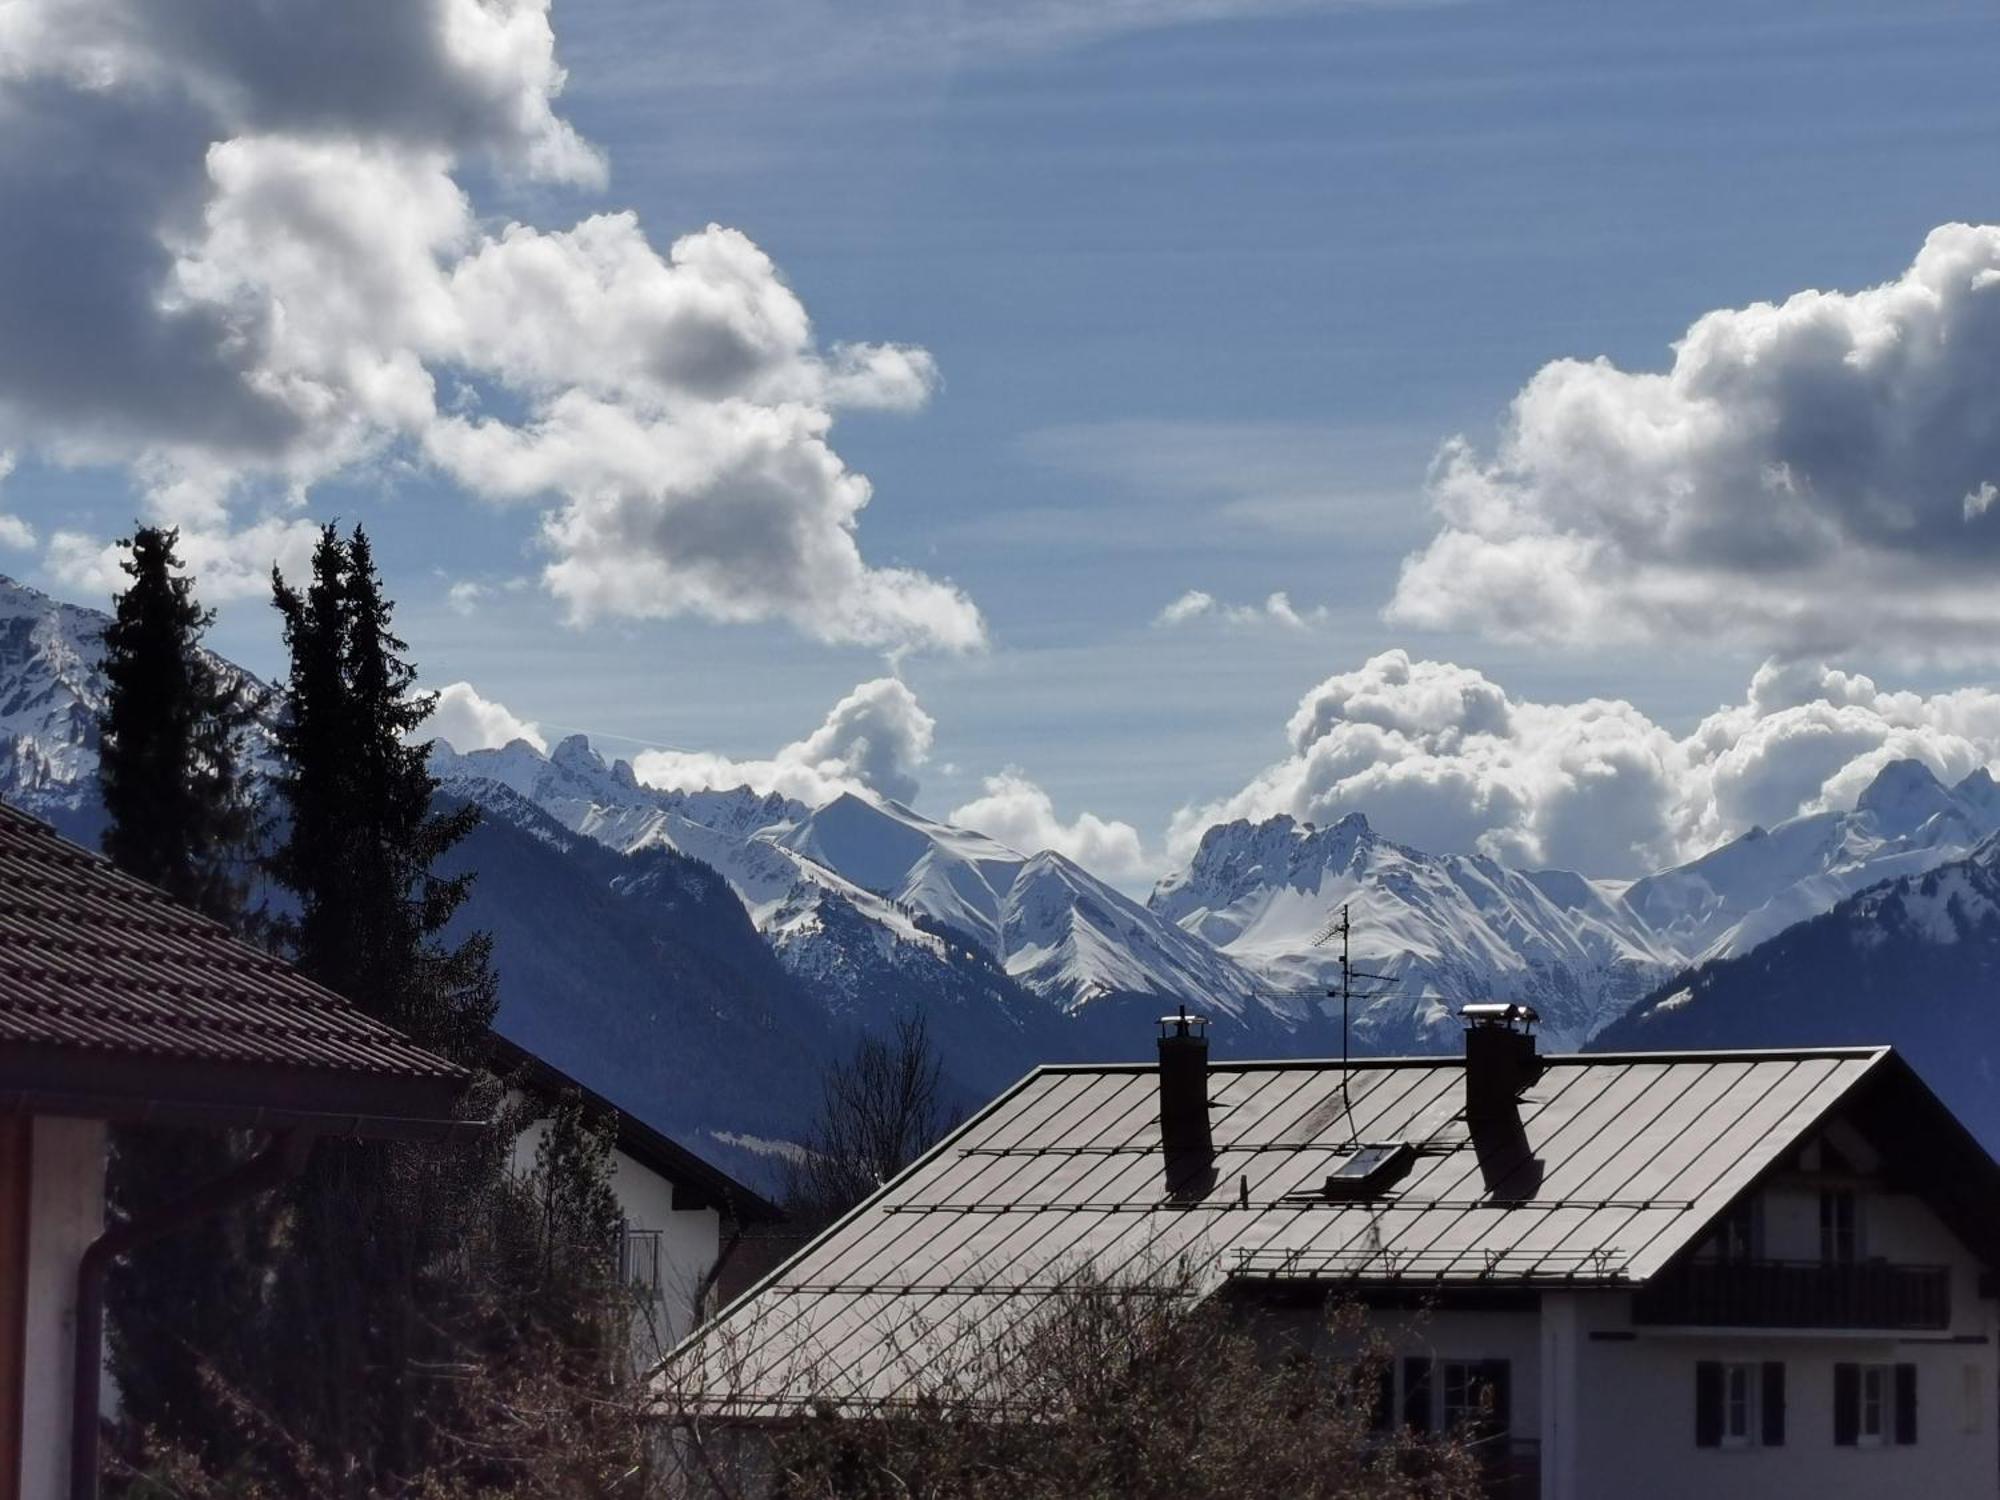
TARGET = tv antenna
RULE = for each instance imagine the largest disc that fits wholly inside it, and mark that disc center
(1343, 928)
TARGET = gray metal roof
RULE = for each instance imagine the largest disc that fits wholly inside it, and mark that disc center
(1620, 1163)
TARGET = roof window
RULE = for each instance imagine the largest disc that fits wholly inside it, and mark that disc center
(1371, 1170)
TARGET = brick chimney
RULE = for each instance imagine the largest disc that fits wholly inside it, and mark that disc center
(1184, 1086)
(1501, 1063)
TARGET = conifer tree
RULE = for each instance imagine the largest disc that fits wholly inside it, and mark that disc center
(180, 815)
(375, 1288)
(172, 733)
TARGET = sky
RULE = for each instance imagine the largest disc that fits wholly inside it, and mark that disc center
(1562, 431)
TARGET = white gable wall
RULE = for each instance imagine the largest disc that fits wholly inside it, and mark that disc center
(690, 1241)
(1630, 1390)
(1634, 1421)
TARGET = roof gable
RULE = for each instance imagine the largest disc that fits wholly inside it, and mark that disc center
(707, 1184)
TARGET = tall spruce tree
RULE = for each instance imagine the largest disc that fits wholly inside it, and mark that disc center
(180, 814)
(376, 1293)
(172, 732)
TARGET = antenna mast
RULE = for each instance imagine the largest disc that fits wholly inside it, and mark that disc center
(1343, 928)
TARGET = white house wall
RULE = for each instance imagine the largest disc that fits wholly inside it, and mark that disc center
(1632, 1390)
(66, 1197)
(1634, 1431)
(690, 1239)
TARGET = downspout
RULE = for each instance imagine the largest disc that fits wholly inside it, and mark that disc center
(283, 1157)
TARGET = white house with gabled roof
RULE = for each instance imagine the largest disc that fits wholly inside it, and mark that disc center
(683, 1218)
(1637, 1275)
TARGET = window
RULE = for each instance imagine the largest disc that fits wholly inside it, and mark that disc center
(1837, 1240)
(639, 1259)
(1370, 1171)
(1735, 1236)
(1475, 1396)
(1874, 1406)
(1739, 1405)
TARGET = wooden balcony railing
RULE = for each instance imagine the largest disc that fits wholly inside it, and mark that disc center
(1797, 1294)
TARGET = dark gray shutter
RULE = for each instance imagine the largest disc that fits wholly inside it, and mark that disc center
(1383, 1416)
(1417, 1394)
(1846, 1404)
(1707, 1404)
(1906, 1405)
(1771, 1403)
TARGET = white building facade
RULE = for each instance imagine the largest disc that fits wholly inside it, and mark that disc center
(1643, 1275)
(682, 1216)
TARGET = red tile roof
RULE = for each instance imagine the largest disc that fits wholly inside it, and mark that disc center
(99, 968)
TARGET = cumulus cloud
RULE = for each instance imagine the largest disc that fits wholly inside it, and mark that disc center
(873, 741)
(463, 597)
(232, 564)
(1277, 609)
(1441, 757)
(466, 721)
(1021, 814)
(1805, 477)
(272, 265)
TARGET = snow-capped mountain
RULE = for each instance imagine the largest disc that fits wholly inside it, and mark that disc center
(51, 689)
(1756, 886)
(1051, 925)
(870, 907)
(1914, 962)
(1445, 929)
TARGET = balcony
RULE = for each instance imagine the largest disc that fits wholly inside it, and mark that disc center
(1797, 1294)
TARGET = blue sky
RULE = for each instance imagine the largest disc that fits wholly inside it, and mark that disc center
(1205, 298)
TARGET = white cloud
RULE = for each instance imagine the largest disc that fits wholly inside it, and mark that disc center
(872, 741)
(1806, 477)
(1020, 814)
(1439, 756)
(463, 597)
(14, 532)
(289, 265)
(231, 564)
(1277, 609)
(466, 721)
(703, 44)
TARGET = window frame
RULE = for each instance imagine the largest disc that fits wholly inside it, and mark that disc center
(1839, 1242)
(639, 1269)
(1740, 1380)
(1876, 1389)
(1459, 1382)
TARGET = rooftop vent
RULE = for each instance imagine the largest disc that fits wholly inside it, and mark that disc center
(1184, 1086)
(1371, 1171)
(1500, 1060)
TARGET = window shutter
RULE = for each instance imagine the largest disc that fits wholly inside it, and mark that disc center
(1906, 1405)
(1707, 1404)
(1417, 1394)
(1846, 1404)
(1771, 1403)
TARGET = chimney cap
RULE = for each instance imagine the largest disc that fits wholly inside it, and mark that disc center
(1498, 1013)
(1183, 1024)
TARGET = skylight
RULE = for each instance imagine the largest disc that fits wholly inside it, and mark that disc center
(1371, 1170)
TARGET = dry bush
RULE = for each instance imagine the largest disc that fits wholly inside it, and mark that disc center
(1134, 1388)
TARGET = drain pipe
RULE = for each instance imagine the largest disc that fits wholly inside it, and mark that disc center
(283, 1157)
